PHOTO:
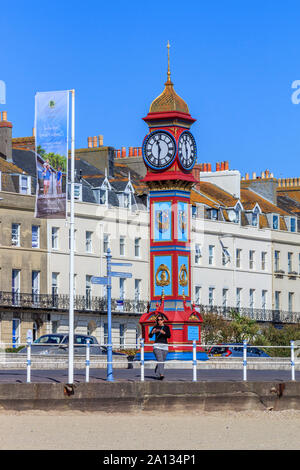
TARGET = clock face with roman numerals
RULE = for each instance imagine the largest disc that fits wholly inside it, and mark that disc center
(187, 151)
(159, 149)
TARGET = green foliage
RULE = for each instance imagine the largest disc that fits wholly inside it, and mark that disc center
(216, 330)
(13, 350)
(55, 159)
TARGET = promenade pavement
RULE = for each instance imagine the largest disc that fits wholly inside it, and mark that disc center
(121, 375)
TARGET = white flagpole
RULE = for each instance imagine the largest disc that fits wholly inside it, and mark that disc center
(71, 294)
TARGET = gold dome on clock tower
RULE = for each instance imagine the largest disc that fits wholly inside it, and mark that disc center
(168, 100)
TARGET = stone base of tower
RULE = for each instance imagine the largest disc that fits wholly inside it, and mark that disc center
(185, 327)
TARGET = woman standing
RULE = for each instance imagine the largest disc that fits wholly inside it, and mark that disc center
(160, 347)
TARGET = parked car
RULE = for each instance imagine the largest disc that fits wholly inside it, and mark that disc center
(236, 350)
(57, 343)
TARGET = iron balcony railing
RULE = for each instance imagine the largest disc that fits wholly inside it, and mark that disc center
(99, 304)
(257, 314)
(61, 302)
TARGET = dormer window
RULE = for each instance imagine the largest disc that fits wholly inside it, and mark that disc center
(255, 215)
(275, 222)
(292, 224)
(127, 199)
(103, 192)
(78, 192)
(24, 184)
(214, 214)
(238, 209)
(102, 196)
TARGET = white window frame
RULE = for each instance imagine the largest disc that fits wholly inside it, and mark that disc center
(252, 259)
(211, 255)
(137, 247)
(106, 240)
(122, 245)
(238, 297)
(198, 292)
(211, 296)
(37, 236)
(238, 253)
(264, 294)
(277, 299)
(291, 302)
(54, 238)
(28, 184)
(263, 260)
(122, 286)
(198, 253)
(88, 241)
(290, 262)
(276, 260)
(15, 234)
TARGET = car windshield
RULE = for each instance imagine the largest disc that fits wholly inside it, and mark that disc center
(218, 350)
(52, 339)
(80, 339)
(83, 339)
(237, 348)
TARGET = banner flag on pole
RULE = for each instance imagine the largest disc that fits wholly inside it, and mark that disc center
(51, 148)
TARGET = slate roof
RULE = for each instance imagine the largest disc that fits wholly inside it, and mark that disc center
(88, 175)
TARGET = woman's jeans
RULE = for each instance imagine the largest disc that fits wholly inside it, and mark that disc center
(160, 355)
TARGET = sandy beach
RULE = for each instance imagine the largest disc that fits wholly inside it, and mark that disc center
(226, 430)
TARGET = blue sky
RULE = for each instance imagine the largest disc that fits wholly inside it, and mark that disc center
(232, 61)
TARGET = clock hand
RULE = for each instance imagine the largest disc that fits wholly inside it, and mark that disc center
(186, 150)
(159, 150)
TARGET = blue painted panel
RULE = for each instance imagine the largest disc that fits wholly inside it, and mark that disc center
(159, 262)
(162, 221)
(183, 261)
(182, 221)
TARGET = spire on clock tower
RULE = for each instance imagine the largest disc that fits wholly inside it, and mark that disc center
(168, 100)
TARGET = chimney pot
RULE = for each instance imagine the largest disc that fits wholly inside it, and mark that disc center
(118, 153)
(4, 116)
(95, 141)
(130, 151)
(226, 165)
(135, 151)
(253, 175)
(123, 152)
(100, 139)
(217, 166)
(247, 176)
(90, 142)
(140, 151)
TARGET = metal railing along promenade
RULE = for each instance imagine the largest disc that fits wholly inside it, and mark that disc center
(87, 359)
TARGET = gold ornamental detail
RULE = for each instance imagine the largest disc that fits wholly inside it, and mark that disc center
(162, 276)
(183, 276)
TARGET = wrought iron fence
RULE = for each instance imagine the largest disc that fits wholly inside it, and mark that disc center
(61, 302)
(99, 304)
(257, 314)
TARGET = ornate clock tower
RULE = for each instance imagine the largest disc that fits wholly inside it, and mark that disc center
(169, 152)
